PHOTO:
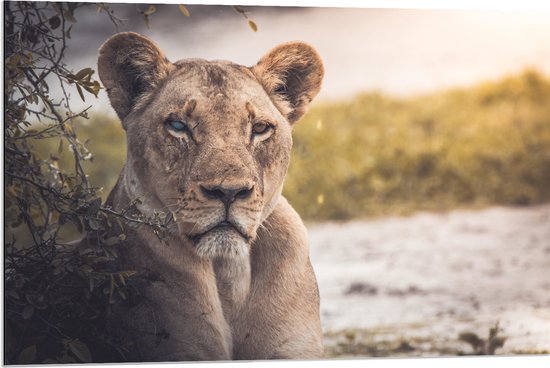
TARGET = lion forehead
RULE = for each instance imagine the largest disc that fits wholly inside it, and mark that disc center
(213, 77)
(220, 89)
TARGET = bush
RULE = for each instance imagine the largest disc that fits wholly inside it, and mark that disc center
(55, 293)
(375, 155)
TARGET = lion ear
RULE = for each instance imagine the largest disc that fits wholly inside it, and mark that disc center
(291, 73)
(129, 67)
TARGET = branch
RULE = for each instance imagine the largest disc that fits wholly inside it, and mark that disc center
(126, 218)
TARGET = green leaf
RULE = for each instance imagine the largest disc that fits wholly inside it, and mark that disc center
(184, 10)
(239, 9)
(128, 274)
(133, 225)
(80, 92)
(253, 26)
(112, 241)
(86, 268)
(92, 87)
(69, 13)
(81, 351)
(122, 294)
(84, 72)
(69, 17)
(28, 355)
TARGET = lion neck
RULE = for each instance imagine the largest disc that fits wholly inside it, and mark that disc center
(233, 279)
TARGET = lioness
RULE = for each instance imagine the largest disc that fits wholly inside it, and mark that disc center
(210, 141)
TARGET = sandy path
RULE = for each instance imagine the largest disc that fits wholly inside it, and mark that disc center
(433, 276)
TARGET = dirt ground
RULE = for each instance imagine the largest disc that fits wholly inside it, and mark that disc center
(408, 286)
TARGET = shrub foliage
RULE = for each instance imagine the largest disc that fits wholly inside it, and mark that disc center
(56, 293)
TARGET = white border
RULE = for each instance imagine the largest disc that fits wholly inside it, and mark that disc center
(541, 361)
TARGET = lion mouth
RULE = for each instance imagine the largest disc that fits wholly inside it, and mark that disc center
(224, 226)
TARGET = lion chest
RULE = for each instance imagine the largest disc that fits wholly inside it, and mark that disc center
(233, 278)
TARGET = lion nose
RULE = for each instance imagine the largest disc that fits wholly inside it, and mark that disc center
(226, 194)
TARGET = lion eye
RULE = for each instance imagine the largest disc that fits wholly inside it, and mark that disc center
(177, 128)
(261, 128)
(177, 125)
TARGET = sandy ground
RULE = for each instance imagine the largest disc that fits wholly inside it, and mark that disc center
(420, 281)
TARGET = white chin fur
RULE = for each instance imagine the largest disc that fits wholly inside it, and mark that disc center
(225, 243)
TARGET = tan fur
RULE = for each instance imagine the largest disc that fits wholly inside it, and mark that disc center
(232, 278)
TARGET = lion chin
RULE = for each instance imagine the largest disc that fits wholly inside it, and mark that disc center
(223, 242)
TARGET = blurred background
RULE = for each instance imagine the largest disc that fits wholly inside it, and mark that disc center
(422, 169)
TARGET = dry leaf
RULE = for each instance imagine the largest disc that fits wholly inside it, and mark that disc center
(184, 10)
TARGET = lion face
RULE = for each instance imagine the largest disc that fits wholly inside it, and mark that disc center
(215, 151)
(208, 141)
